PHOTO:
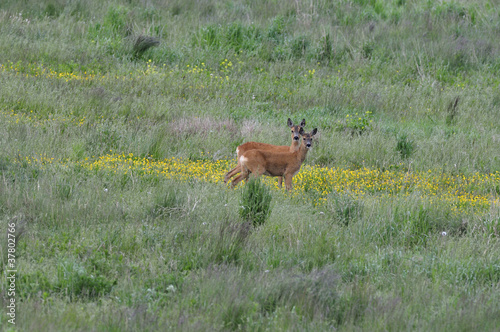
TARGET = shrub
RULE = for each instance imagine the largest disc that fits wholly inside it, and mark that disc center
(116, 19)
(143, 43)
(33, 283)
(209, 36)
(356, 124)
(325, 50)
(299, 46)
(76, 282)
(404, 146)
(235, 36)
(367, 49)
(53, 9)
(277, 29)
(255, 202)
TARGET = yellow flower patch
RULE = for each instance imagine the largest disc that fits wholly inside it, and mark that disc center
(314, 184)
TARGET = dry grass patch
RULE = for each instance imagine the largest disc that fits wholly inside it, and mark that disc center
(204, 126)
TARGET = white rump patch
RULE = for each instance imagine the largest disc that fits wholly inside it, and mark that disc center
(243, 159)
(237, 151)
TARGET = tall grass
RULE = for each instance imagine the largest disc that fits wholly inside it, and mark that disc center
(255, 202)
(110, 156)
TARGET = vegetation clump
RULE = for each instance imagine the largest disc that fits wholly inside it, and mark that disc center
(255, 202)
(405, 145)
(356, 124)
(143, 43)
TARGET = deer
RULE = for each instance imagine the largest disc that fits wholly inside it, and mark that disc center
(295, 129)
(274, 162)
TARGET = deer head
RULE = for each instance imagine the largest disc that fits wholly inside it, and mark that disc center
(296, 128)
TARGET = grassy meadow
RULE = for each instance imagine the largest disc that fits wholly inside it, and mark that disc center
(119, 119)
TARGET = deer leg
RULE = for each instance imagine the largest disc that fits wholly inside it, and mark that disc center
(232, 173)
(237, 180)
(243, 176)
(280, 181)
(288, 181)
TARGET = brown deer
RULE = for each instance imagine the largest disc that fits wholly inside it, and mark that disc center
(264, 146)
(275, 163)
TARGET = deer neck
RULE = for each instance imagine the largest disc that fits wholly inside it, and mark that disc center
(302, 152)
(295, 146)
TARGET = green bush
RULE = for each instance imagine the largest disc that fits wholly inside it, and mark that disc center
(76, 282)
(356, 124)
(277, 29)
(143, 43)
(116, 19)
(404, 146)
(325, 49)
(299, 46)
(53, 9)
(255, 204)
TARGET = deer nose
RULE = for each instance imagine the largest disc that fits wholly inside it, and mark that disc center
(308, 145)
(296, 138)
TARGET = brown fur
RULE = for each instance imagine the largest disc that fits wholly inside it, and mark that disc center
(273, 163)
(268, 147)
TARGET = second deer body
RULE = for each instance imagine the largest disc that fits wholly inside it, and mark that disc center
(240, 150)
(275, 163)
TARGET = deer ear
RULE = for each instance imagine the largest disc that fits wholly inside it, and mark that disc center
(301, 131)
(314, 131)
(303, 123)
(290, 123)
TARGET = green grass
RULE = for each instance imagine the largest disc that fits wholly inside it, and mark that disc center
(400, 88)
